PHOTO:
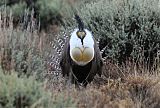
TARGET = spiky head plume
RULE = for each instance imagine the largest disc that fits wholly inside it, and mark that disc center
(80, 22)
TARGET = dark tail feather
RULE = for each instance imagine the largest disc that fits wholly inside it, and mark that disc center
(80, 22)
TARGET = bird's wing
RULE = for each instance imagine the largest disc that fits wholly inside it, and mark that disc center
(98, 61)
(65, 62)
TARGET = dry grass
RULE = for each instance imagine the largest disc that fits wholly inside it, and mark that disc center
(114, 95)
(133, 91)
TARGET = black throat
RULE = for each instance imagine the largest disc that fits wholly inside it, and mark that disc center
(82, 41)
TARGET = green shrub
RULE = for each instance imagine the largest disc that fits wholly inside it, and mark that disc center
(22, 50)
(22, 92)
(27, 93)
(127, 28)
(48, 12)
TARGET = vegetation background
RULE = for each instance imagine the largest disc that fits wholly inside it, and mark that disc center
(32, 36)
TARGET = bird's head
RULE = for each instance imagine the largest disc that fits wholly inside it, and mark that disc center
(81, 34)
(81, 44)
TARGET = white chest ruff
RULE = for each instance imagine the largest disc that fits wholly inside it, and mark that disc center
(81, 54)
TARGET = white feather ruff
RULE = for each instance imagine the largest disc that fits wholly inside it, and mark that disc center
(76, 42)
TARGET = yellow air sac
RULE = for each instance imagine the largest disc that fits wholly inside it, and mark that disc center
(82, 55)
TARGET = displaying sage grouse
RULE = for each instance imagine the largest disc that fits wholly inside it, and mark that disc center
(81, 59)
